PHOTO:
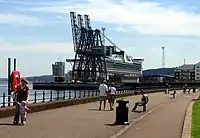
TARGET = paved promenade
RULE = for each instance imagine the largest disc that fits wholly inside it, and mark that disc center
(165, 122)
(85, 121)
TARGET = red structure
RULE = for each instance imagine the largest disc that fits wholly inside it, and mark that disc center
(15, 80)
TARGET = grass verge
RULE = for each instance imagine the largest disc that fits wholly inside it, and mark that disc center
(196, 119)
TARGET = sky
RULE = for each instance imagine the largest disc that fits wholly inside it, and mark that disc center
(38, 33)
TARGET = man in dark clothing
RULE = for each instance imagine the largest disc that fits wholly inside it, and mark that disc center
(184, 88)
(143, 102)
(20, 95)
(167, 89)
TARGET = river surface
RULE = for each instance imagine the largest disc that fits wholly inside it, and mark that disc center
(39, 94)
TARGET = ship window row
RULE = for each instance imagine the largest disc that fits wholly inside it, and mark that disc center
(120, 66)
(127, 67)
(123, 64)
(123, 70)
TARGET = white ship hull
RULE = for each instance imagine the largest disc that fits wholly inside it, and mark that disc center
(129, 72)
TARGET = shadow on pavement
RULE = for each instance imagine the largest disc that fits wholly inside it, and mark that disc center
(195, 99)
(137, 111)
(9, 124)
(97, 110)
(117, 124)
(110, 124)
(114, 125)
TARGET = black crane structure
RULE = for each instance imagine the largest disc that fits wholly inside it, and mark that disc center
(89, 63)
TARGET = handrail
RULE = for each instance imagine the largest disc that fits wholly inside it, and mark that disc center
(53, 95)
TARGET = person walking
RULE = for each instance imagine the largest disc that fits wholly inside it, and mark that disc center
(103, 90)
(111, 98)
(20, 95)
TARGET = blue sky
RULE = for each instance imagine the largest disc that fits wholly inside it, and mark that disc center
(38, 33)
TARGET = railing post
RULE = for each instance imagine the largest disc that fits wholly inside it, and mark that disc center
(88, 93)
(9, 81)
(57, 95)
(43, 96)
(84, 93)
(97, 92)
(50, 95)
(63, 95)
(92, 92)
(69, 94)
(35, 97)
(4, 98)
(75, 94)
(80, 94)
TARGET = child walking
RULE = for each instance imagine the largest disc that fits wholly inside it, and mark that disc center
(23, 112)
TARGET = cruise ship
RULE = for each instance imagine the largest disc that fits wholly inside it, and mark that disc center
(128, 68)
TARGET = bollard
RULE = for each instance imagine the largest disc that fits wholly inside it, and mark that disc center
(121, 113)
(194, 90)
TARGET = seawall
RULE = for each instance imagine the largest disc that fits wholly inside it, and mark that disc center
(9, 111)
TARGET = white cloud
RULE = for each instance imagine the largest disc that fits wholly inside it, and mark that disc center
(32, 3)
(38, 47)
(9, 18)
(144, 17)
(34, 59)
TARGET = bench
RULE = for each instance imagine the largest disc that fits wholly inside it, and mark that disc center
(173, 94)
(145, 104)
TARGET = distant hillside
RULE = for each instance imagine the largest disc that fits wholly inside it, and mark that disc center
(159, 71)
(45, 78)
(3, 79)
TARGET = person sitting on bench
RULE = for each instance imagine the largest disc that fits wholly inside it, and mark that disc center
(143, 102)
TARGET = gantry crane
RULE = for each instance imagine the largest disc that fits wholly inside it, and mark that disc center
(90, 50)
(89, 62)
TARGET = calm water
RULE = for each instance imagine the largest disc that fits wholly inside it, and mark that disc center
(55, 94)
(3, 87)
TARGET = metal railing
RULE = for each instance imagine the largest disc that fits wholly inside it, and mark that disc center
(49, 96)
(39, 96)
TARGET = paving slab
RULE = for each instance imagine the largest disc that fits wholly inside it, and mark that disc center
(79, 121)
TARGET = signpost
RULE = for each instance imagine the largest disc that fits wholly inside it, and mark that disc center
(9, 78)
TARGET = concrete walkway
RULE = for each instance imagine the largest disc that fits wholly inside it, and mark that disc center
(85, 121)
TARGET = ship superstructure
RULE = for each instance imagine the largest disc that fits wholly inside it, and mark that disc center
(129, 71)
